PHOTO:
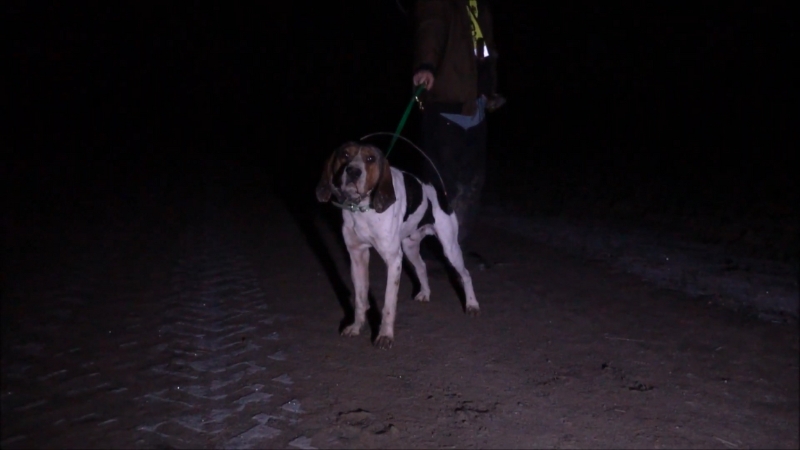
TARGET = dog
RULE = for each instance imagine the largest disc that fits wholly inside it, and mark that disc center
(392, 211)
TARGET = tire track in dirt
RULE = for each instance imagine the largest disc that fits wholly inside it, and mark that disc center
(228, 387)
(200, 362)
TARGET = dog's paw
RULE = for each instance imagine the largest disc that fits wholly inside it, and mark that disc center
(473, 311)
(423, 297)
(352, 330)
(384, 342)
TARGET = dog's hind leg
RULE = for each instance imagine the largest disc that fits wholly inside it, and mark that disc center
(411, 249)
(448, 237)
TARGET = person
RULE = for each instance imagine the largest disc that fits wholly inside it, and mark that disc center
(455, 59)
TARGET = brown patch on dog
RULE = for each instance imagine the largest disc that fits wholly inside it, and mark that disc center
(338, 158)
(373, 159)
(379, 178)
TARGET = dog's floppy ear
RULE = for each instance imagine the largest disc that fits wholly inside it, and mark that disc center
(325, 185)
(383, 195)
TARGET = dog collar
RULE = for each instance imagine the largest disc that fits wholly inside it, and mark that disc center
(352, 206)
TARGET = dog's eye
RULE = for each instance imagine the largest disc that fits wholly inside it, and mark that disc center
(370, 159)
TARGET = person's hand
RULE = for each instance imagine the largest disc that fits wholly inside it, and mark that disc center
(494, 102)
(424, 77)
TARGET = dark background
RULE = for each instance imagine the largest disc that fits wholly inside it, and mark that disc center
(673, 115)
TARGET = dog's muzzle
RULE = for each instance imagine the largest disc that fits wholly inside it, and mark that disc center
(352, 174)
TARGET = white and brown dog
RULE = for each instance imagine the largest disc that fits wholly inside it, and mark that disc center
(391, 210)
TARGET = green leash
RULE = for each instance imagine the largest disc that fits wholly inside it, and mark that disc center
(402, 123)
(354, 207)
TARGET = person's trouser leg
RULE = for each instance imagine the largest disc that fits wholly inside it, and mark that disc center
(470, 179)
(460, 157)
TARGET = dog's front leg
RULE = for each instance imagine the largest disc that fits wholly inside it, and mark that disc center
(394, 266)
(359, 271)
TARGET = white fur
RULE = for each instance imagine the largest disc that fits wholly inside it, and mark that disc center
(391, 238)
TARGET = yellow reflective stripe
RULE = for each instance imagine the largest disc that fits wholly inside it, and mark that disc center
(472, 10)
(473, 7)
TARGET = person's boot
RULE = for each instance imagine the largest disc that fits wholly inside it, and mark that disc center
(466, 204)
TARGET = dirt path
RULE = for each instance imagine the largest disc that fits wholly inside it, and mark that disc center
(215, 325)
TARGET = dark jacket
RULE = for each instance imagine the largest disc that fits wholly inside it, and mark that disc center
(443, 45)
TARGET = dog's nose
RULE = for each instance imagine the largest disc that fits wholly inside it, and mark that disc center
(353, 172)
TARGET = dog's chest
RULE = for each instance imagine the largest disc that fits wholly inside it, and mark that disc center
(373, 229)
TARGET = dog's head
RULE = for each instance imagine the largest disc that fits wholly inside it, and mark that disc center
(359, 174)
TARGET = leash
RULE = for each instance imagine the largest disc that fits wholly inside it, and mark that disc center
(386, 133)
(396, 135)
(403, 120)
(354, 207)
